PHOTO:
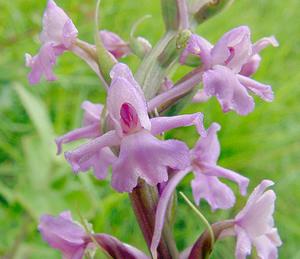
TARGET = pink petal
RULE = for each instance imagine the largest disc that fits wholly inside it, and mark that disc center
(274, 237)
(85, 152)
(218, 171)
(249, 68)
(231, 94)
(69, 34)
(257, 219)
(263, 91)
(255, 195)
(200, 97)
(243, 245)
(122, 70)
(163, 124)
(207, 149)
(200, 47)
(130, 122)
(265, 247)
(162, 207)
(92, 113)
(90, 131)
(42, 64)
(57, 26)
(263, 43)
(114, 44)
(242, 102)
(63, 233)
(216, 193)
(233, 49)
(218, 82)
(99, 162)
(124, 89)
(142, 155)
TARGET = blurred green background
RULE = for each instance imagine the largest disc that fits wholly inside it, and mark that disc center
(33, 180)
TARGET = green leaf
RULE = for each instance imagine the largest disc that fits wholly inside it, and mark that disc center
(38, 114)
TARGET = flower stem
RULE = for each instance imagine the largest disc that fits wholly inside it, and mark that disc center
(144, 201)
(175, 92)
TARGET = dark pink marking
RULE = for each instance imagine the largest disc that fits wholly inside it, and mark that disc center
(129, 118)
(231, 55)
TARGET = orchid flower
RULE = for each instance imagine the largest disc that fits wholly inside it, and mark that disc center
(203, 159)
(58, 35)
(71, 239)
(227, 67)
(141, 154)
(64, 234)
(254, 224)
(206, 184)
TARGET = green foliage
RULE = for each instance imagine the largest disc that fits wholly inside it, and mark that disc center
(34, 181)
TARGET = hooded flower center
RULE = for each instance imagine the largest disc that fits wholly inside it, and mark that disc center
(129, 119)
(231, 55)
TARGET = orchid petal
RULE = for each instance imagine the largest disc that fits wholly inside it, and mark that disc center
(207, 149)
(263, 91)
(99, 162)
(64, 234)
(263, 43)
(231, 94)
(255, 195)
(218, 171)
(124, 89)
(42, 64)
(257, 219)
(200, 97)
(142, 155)
(162, 207)
(162, 124)
(90, 131)
(265, 247)
(216, 193)
(200, 47)
(233, 49)
(114, 44)
(243, 245)
(86, 151)
(57, 26)
(249, 68)
(92, 113)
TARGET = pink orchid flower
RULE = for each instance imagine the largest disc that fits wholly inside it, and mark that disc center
(227, 67)
(141, 154)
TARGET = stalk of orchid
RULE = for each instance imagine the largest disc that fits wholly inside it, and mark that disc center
(126, 133)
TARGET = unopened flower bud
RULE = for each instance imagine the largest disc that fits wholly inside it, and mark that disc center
(207, 9)
(140, 46)
(114, 44)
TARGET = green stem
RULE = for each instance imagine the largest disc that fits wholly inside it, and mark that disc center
(151, 72)
(201, 216)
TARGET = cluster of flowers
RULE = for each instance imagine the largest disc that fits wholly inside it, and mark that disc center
(123, 136)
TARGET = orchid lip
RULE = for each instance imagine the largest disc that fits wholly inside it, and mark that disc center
(231, 55)
(129, 119)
